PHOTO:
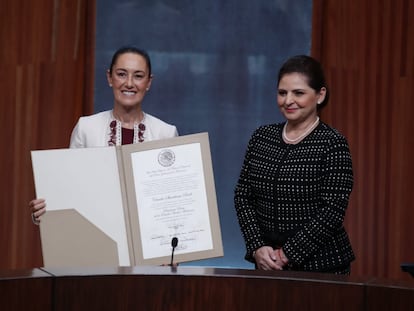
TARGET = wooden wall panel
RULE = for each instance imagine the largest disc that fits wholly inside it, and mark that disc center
(46, 59)
(367, 49)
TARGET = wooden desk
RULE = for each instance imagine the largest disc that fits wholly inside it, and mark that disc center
(188, 288)
(384, 295)
(25, 290)
(196, 288)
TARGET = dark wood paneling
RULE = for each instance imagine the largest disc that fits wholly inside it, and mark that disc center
(47, 64)
(367, 50)
(25, 290)
(384, 295)
(197, 288)
(157, 288)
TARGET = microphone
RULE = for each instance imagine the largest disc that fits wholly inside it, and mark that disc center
(174, 243)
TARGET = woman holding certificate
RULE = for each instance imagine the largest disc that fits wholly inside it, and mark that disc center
(295, 182)
(130, 78)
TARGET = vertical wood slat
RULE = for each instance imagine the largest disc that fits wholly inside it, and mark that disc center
(47, 55)
(367, 52)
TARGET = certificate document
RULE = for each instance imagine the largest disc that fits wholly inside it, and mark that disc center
(123, 205)
(171, 200)
(171, 194)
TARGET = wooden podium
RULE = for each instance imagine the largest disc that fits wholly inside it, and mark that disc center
(195, 288)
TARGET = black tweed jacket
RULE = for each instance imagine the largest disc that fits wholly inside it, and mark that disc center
(295, 196)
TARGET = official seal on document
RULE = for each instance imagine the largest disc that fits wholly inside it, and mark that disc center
(166, 157)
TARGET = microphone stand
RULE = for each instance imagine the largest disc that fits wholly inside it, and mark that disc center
(174, 243)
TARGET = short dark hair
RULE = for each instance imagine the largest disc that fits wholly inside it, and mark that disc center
(310, 68)
(130, 49)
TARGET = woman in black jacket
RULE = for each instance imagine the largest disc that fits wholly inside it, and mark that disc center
(296, 180)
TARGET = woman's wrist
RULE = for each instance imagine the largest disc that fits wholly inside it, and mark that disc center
(254, 252)
(282, 256)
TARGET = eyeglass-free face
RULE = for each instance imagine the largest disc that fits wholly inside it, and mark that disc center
(297, 100)
(130, 79)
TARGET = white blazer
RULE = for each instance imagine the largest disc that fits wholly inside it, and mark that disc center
(94, 131)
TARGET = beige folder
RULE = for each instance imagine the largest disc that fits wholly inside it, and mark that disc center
(69, 239)
(95, 217)
(84, 197)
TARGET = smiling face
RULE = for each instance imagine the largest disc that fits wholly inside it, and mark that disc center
(297, 100)
(130, 79)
